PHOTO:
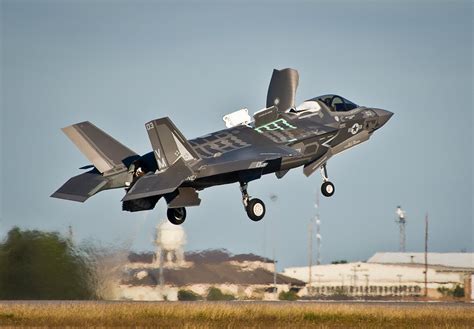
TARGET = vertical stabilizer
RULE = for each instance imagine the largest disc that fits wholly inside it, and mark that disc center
(168, 143)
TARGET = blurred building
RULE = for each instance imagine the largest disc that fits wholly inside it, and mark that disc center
(390, 275)
(245, 276)
(453, 260)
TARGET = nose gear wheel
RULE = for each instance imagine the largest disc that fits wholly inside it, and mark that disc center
(327, 188)
(255, 208)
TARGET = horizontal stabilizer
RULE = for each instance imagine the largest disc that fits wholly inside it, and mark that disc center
(81, 187)
(101, 149)
(161, 183)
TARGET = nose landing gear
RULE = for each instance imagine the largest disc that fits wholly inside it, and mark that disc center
(327, 188)
(255, 208)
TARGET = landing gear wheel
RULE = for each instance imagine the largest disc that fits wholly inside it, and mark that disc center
(176, 216)
(327, 189)
(255, 209)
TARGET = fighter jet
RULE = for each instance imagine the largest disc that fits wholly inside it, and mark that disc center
(278, 138)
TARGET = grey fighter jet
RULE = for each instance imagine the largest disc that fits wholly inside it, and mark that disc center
(278, 138)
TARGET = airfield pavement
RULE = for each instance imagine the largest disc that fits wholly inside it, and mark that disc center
(236, 314)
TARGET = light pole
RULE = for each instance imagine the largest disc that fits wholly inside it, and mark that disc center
(275, 289)
(426, 255)
(400, 284)
(319, 276)
(366, 284)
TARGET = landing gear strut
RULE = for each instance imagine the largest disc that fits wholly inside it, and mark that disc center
(176, 216)
(327, 188)
(255, 208)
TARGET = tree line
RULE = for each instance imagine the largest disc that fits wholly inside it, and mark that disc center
(43, 265)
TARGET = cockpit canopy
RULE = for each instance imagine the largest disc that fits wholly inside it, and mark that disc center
(336, 103)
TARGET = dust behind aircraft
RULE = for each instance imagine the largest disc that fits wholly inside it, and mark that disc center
(278, 138)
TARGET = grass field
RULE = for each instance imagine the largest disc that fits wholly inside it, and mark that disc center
(235, 315)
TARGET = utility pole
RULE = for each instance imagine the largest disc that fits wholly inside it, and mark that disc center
(310, 263)
(319, 276)
(367, 284)
(318, 231)
(342, 278)
(400, 284)
(354, 276)
(313, 221)
(161, 278)
(275, 290)
(426, 255)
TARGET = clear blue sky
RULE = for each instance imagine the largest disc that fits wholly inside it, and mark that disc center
(120, 64)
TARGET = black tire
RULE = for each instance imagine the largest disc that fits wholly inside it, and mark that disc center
(328, 189)
(176, 216)
(255, 209)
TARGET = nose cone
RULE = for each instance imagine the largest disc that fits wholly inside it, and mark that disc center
(383, 116)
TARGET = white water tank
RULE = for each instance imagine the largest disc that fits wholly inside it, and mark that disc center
(170, 237)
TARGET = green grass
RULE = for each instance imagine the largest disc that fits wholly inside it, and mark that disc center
(235, 315)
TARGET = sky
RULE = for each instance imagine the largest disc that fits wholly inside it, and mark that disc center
(120, 64)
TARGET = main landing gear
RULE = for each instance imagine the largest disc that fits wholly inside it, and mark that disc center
(255, 208)
(327, 188)
(176, 216)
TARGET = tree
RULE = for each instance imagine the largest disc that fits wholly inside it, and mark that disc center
(342, 261)
(42, 265)
(455, 291)
(188, 295)
(288, 295)
(216, 294)
(458, 291)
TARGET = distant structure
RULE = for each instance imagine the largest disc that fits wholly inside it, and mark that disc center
(245, 276)
(401, 221)
(170, 241)
(315, 221)
(426, 255)
(391, 275)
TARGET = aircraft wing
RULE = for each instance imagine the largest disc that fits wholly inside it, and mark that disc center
(251, 157)
(169, 180)
(259, 149)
